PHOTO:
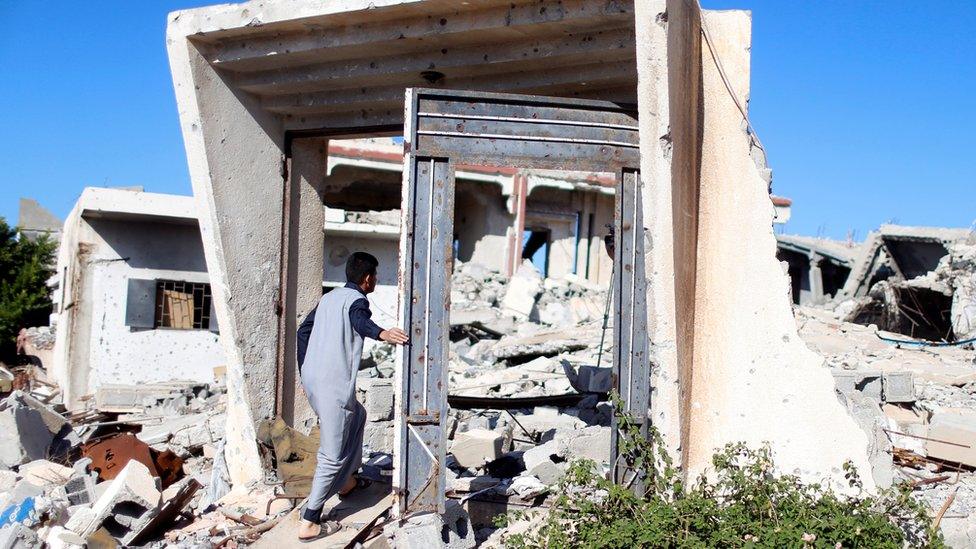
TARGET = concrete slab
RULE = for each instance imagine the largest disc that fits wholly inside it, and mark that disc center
(353, 513)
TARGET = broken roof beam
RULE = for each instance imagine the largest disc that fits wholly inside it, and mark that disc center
(345, 39)
(577, 49)
(597, 76)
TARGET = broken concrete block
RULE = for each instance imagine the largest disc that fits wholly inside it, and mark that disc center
(473, 449)
(59, 537)
(956, 429)
(549, 472)
(899, 387)
(867, 382)
(546, 420)
(23, 437)
(452, 530)
(46, 474)
(591, 379)
(131, 500)
(378, 437)
(591, 443)
(189, 432)
(18, 536)
(869, 417)
(523, 289)
(473, 484)
(526, 487)
(379, 400)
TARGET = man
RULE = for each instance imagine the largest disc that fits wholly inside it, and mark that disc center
(330, 346)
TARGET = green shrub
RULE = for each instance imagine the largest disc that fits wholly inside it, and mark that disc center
(745, 503)
(25, 301)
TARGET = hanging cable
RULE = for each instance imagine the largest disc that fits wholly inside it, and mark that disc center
(725, 78)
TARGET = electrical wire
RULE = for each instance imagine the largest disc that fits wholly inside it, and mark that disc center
(725, 78)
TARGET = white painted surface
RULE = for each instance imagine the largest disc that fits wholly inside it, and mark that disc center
(125, 235)
(754, 380)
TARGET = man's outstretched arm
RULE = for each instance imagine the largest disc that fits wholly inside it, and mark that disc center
(361, 318)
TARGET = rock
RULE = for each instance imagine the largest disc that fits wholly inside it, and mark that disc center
(523, 288)
(540, 454)
(30, 430)
(59, 537)
(547, 420)
(450, 531)
(958, 428)
(130, 501)
(188, 432)
(473, 449)
(378, 437)
(591, 443)
(8, 479)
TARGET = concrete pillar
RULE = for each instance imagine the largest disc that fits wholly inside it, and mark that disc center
(236, 167)
(303, 269)
(668, 68)
(816, 280)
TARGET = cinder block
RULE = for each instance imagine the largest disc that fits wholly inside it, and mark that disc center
(899, 387)
(379, 400)
(867, 382)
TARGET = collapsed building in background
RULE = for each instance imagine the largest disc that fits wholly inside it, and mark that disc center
(818, 267)
(916, 281)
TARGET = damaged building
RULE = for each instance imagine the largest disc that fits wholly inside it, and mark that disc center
(481, 150)
(631, 90)
(915, 281)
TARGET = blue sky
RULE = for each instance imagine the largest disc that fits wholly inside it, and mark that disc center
(866, 108)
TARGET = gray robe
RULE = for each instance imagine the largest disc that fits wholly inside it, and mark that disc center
(329, 378)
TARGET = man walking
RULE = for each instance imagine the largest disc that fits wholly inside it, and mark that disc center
(330, 346)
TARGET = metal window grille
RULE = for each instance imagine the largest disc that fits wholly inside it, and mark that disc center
(183, 305)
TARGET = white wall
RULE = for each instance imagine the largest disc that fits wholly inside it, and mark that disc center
(120, 354)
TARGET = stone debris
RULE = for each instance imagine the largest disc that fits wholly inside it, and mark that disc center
(914, 401)
(127, 469)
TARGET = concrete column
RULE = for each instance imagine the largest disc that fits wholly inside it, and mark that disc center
(303, 269)
(667, 63)
(235, 162)
(816, 280)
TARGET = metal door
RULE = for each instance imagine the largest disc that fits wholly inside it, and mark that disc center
(444, 128)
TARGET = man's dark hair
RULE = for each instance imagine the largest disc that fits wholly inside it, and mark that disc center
(359, 265)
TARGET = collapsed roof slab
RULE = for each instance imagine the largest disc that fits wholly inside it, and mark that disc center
(262, 86)
(907, 251)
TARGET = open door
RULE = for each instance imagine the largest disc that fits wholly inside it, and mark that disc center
(444, 128)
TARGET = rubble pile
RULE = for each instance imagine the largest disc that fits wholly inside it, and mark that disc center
(130, 467)
(916, 403)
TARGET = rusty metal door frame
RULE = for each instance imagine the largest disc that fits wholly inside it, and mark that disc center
(445, 128)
